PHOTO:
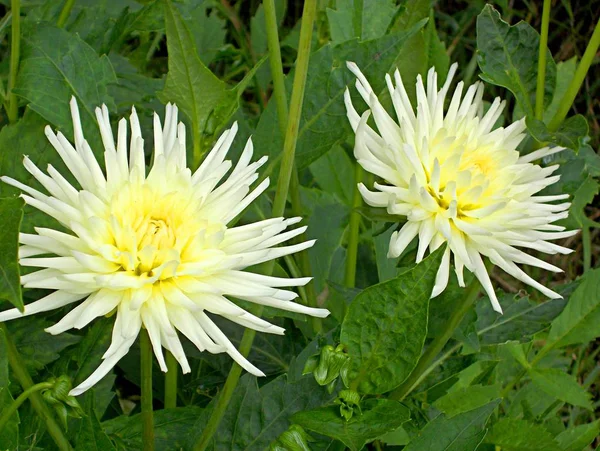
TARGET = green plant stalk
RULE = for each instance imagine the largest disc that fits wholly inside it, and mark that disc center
(541, 75)
(65, 13)
(146, 376)
(580, 73)
(15, 55)
(354, 229)
(280, 95)
(20, 400)
(287, 165)
(37, 402)
(586, 241)
(171, 382)
(436, 346)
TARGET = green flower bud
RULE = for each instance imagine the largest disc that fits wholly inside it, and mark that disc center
(348, 401)
(58, 397)
(328, 366)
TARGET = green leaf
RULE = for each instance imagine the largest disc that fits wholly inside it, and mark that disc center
(171, 429)
(205, 99)
(561, 385)
(9, 434)
(508, 57)
(467, 398)
(254, 418)
(36, 347)
(386, 267)
(578, 437)
(565, 71)
(583, 196)
(570, 134)
(334, 173)
(56, 65)
(327, 220)
(386, 326)
(207, 28)
(378, 417)
(91, 436)
(580, 320)
(324, 123)
(371, 21)
(511, 434)
(463, 432)
(521, 320)
(94, 344)
(11, 212)
(27, 137)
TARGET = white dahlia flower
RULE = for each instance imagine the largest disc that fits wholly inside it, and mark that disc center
(153, 247)
(457, 181)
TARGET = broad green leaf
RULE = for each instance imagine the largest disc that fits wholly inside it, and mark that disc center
(327, 220)
(364, 20)
(91, 436)
(323, 123)
(578, 437)
(334, 173)
(583, 196)
(9, 434)
(508, 57)
(254, 418)
(378, 417)
(386, 267)
(463, 432)
(207, 28)
(11, 212)
(27, 137)
(56, 65)
(423, 50)
(205, 99)
(386, 326)
(467, 398)
(171, 429)
(521, 320)
(565, 71)
(570, 134)
(561, 385)
(579, 322)
(37, 347)
(511, 434)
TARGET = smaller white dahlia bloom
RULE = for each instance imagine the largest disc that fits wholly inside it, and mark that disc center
(153, 247)
(457, 181)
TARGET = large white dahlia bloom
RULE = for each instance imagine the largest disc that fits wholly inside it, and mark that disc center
(154, 247)
(457, 181)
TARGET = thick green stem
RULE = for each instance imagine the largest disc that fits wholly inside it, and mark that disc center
(438, 343)
(15, 55)
(65, 13)
(20, 400)
(285, 175)
(39, 405)
(541, 75)
(580, 73)
(146, 376)
(353, 234)
(171, 382)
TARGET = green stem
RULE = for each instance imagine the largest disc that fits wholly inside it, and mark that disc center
(580, 73)
(541, 75)
(285, 174)
(512, 383)
(171, 382)
(280, 95)
(353, 234)
(438, 343)
(146, 376)
(65, 13)
(20, 400)
(586, 241)
(15, 55)
(37, 402)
